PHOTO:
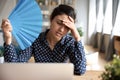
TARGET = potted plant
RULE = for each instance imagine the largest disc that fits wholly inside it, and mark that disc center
(112, 69)
(80, 31)
(1, 54)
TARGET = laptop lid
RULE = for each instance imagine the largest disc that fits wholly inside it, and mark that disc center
(36, 71)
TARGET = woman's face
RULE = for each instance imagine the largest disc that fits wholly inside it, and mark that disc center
(57, 28)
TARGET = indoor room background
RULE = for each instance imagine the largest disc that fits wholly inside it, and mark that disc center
(98, 19)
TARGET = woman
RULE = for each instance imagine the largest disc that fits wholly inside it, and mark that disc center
(53, 45)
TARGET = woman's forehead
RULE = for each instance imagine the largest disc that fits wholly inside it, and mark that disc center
(62, 17)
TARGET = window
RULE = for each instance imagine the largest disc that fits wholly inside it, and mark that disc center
(116, 30)
(107, 24)
(99, 21)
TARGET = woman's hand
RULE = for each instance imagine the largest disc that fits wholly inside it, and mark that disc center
(7, 29)
(71, 25)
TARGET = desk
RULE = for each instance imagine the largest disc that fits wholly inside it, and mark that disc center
(89, 75)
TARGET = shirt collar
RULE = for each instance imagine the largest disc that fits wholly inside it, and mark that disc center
(43, 37)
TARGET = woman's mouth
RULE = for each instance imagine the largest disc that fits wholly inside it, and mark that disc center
(59, 34)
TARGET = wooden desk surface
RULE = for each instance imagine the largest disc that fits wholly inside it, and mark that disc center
(89, 75)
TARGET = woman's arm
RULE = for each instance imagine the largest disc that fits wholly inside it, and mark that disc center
(77, 57)
(71, 25)
(7, 31)
(10, 53)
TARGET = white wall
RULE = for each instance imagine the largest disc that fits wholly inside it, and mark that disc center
(6, 7)
(82, 10)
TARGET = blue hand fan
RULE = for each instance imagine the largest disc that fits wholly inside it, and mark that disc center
(26, 21)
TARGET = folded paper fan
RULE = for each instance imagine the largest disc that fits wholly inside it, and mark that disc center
(26, 21)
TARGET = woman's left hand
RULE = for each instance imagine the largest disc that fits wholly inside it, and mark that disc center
(71, 25)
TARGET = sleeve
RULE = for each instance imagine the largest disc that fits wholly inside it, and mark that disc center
(11, 55)
(77, 57)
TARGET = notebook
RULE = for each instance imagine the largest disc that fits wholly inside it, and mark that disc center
(36, 71)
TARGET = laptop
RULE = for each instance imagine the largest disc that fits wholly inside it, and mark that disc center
(36, 71)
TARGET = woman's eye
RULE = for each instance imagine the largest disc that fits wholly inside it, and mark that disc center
(60, 22)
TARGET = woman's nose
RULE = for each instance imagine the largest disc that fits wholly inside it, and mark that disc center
(62, 28)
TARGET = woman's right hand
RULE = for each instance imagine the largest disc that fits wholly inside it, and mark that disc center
(7, 29)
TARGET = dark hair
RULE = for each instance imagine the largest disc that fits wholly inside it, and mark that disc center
(63, 9)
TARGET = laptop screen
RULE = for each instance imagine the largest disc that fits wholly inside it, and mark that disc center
(36, 71)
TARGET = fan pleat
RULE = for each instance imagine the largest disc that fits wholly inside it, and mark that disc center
(27, 39)
(34, 31)
(31, 33)
(23, 41)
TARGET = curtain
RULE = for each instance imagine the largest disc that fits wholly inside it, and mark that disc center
(92, 21)
(110, 50)
(95, 39)
(106, 11)
(99, 25)
(116, 29)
